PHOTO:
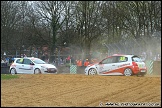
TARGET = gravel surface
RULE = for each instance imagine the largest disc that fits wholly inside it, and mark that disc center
(79, 90)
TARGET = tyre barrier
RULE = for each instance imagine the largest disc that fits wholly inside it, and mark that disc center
(153, 67)
(73, 69)
(5, 68)
(157, 68)
(149, 65)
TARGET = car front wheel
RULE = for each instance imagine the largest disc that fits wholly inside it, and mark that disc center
(13, 71)
(127, 72)
(37, 71)
(92, 71)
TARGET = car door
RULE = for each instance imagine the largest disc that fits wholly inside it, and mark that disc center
(27, 67)
(18, 66)
(106, 65)
(121, 63)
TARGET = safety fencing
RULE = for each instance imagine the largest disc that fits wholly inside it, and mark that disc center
(73, 69)
(5, 68)
(157, 68)
(149, 65)
(153, 68)
(150, 46)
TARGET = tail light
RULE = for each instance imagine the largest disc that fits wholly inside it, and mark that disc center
(134, 64)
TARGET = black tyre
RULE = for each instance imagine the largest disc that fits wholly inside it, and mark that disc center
(127, 72)
(37, 71)
(92, 71)
(13, 71)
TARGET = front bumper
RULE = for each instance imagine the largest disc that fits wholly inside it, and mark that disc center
(86, 71)
(142, 73)
(51, 70)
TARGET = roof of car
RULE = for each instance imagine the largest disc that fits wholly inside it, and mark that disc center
(28, 58)
(128, 55)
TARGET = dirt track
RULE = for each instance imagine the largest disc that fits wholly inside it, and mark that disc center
(79, 90)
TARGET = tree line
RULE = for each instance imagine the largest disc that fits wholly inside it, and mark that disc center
(84, 24)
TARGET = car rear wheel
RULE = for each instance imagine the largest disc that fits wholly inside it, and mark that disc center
(127, 72)
(92, 71)
(13, 71)
(37, 71)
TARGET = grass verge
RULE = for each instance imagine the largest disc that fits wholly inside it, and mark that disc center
(8, 76)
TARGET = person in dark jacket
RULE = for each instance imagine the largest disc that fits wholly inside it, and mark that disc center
(43, 57)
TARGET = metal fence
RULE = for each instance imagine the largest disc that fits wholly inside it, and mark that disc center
(150, 48)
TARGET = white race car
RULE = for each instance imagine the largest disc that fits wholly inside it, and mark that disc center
(118, 64)
(31, 65)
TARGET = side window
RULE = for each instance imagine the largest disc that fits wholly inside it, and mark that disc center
(107, 61)
(115, 60)
(136, 59)
(122, 59)
(19, 61)
(104, 61)
(27, 61)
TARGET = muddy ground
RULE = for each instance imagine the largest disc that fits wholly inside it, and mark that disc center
(79, 90)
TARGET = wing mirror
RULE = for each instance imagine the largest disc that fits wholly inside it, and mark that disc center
(31, 63)
(100, 62)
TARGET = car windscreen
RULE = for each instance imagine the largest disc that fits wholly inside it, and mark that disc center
(38, 61)
(136, 59)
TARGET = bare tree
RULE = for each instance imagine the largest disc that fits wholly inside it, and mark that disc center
(10, 19)
(52, 12)
(88, 23)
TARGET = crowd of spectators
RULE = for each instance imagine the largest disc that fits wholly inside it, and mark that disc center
(149, 55)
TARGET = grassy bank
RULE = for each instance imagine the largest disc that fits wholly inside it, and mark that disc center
(8, 76)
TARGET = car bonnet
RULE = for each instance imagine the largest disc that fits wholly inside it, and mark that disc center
(48, 65)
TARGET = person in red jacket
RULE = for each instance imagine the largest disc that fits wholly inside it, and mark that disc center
(86, 63)
(80, 63)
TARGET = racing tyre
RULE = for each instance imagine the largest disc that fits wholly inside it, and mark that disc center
(127, 72)
(92, 71)
(37, 71)
(13, 71)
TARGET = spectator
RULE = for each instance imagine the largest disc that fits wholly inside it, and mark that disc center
(2, 61)
(22, 56)
(68, 59)
(72, 60)
(158, 57)
(79, 62)
(25, 55)
(12, 59)
(86, 63)
(43, 57)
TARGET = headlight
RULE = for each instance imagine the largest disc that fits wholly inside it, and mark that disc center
(44, 67)
(88, 65)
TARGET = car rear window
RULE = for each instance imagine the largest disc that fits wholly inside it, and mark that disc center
(136, 59)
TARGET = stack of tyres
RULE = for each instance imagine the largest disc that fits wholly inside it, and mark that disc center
(157, 68)
(4, 68)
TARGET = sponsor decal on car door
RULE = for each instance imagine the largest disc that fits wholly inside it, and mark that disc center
(27, 68)
(19, 65)
(106, 65)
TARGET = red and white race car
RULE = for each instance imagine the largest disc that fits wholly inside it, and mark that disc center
(118, 64)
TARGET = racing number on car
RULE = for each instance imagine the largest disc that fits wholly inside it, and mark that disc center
(21, 60)
(140, 65)
(122, 58)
